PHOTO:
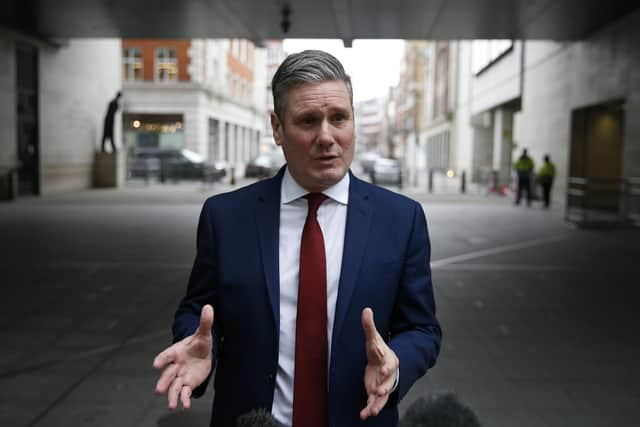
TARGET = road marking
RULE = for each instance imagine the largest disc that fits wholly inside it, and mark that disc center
(512, 267)
(85, 354)
(496, 250)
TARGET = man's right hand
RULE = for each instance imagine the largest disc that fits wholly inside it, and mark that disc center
(186, 364)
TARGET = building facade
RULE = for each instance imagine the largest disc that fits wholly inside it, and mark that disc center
(574, 101)
(275, 55)
(371, 125)
(408, 109)
(204, 95)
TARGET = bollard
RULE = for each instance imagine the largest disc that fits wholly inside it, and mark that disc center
(232, 181)
(463, 182)
(9, 185)
(12, 182)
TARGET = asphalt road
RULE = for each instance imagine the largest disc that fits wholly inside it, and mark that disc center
(539, 318)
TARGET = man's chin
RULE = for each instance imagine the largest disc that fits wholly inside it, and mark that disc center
(332, 175)
(327, 178)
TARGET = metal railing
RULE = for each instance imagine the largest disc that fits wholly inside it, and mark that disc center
(596, 202)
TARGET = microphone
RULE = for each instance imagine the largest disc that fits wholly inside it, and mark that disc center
(439, 411)
(257, 418)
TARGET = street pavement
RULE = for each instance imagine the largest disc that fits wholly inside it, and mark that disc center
(539, 317)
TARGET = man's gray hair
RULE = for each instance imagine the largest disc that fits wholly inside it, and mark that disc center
(309, 66)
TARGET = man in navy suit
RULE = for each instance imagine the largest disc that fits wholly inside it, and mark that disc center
(294, 298)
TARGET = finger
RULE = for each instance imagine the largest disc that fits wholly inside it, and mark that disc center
(368, 324)
(390, 366)
(206, 321)
(378, 404)
(166, 378)
(165, 357)
(174, 390)
(366, 412)
(385, 387)
(389, 373)
(185, 397)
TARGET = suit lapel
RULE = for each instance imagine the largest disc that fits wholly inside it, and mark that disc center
(355, 242)
(268, 220)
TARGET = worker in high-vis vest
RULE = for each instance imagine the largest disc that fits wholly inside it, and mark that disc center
(546, 173)
(524, 168)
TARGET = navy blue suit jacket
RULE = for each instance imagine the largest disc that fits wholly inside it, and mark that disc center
(385, 266)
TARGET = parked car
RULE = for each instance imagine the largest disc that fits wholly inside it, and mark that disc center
(265, 165)
(173, 164)
(387, 171)
(367, 160)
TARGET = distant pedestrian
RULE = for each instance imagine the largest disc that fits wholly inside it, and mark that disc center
(546, 173)
(524, 168)
(109, 119)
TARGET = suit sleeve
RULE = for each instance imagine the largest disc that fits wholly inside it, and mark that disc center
(415, 331)
(201, 290)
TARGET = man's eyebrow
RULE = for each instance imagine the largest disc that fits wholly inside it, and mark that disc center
(317, 110)
(306, 111)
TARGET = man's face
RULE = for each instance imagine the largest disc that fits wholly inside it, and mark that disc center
(318, 133)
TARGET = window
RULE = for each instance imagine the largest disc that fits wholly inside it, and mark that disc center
(438, 151)
(132, 63)
(166, 64)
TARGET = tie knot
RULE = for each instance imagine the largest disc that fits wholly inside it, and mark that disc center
(315, 200)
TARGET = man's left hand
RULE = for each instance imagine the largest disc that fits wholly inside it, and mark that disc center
(382, 366)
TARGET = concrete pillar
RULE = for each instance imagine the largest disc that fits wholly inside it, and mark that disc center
(226, 142)
(8, 121)
(502, 144)
(232, 144)
(482, 147)
(221, 140)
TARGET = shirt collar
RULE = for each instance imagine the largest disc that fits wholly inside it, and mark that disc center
(291, 190)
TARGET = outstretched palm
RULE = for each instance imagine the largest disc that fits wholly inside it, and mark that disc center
(186, 364)
(380, 372)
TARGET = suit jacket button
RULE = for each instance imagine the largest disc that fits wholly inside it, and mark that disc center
(270, 379)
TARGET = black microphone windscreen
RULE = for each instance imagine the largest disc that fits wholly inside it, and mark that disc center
(257, 418)
(439, 411)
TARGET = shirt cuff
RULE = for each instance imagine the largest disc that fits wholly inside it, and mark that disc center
(395, 383)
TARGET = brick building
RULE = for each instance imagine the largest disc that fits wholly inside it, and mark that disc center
(204, 95)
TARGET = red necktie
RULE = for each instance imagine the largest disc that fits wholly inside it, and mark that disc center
(310, 389)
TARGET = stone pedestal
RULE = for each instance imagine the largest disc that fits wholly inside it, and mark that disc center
(108, 170)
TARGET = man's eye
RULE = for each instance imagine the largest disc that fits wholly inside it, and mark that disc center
(307, 120)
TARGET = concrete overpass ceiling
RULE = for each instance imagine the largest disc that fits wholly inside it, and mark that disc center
(345, 19)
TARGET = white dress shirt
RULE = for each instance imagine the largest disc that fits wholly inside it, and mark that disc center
(332, 217)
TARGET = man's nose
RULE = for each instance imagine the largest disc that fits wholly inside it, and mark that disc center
(325, 135)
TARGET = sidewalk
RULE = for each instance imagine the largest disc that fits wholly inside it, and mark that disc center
(186, 192)
(539, 318)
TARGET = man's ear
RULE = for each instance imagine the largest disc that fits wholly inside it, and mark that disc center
(276, 126)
